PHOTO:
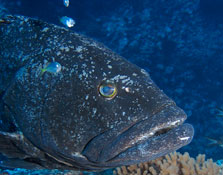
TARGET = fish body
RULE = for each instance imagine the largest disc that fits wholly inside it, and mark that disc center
(53, 67)
(67, 21)
(215, 142)
(66, 3)
(100, 112)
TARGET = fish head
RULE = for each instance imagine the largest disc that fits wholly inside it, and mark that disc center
(140, 122)
(100, 111)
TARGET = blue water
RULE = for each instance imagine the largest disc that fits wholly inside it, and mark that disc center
(180, 43)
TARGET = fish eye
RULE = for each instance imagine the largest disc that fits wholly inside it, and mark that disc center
(107, 89)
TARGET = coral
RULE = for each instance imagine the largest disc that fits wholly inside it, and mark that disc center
(173, 164)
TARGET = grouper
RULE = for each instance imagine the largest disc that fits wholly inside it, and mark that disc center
(97, 111)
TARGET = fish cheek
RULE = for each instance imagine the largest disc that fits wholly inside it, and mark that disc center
(121, 110)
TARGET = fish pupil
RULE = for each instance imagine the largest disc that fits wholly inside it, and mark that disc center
(108, 90)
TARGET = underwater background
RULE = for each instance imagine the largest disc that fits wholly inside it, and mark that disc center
(179, 42)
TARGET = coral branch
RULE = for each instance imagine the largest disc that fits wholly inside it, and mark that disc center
(173, 164)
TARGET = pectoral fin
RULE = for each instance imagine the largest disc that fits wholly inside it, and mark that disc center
(9, 145)
(19, 152)
(12, 163)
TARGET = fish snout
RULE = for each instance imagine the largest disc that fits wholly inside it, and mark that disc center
(145, 140)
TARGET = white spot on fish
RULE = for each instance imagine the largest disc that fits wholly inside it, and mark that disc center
(184, 138)
(45, 29)
(79, 49)
(94, 111)
(58, 53)
(109, 66)
(175, 122)
(125, 80)
(84, 73)
(66, 49)
(80, 56)
(62, 48)
(123, 77)
(77, 154)
(117, 77)
(84, 65)
(144, 72)
(127, 89)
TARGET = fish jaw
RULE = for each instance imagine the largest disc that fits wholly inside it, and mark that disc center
(154, 148)
(146, 140)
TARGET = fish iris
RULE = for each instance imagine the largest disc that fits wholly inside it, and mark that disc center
(108, 89)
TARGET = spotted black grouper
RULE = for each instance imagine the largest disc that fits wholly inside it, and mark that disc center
(98, 111)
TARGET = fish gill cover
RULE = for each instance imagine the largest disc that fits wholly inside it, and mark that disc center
(180, 43)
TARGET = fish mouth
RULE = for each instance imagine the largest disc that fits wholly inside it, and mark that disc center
(145, 140)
